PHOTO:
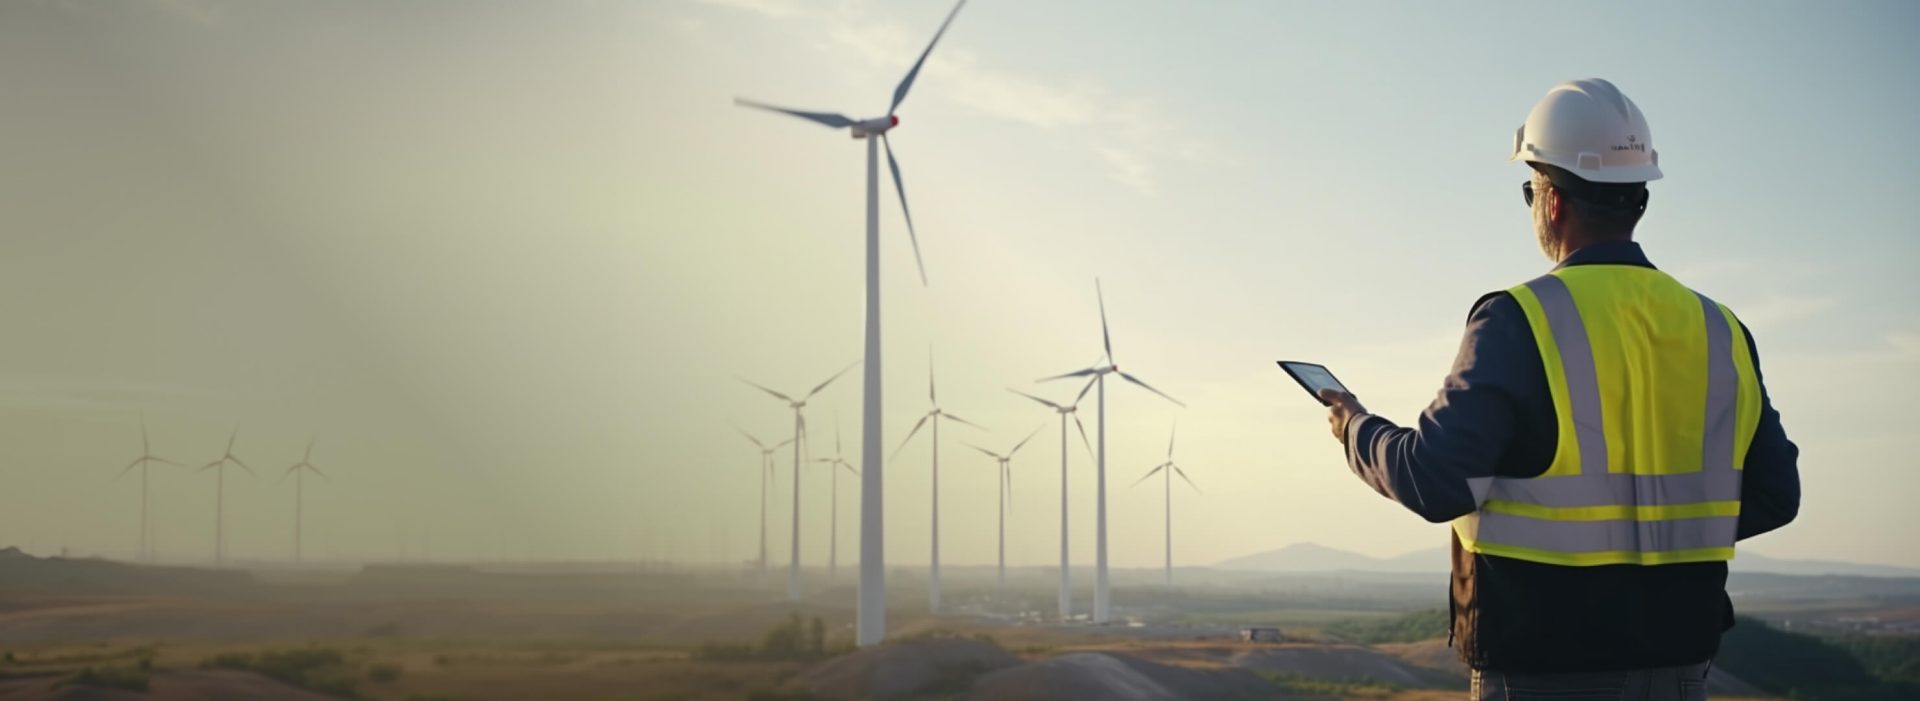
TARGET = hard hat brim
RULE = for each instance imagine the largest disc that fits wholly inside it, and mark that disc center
(1617, 174)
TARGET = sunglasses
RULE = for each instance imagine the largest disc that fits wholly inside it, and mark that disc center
(1526, 192)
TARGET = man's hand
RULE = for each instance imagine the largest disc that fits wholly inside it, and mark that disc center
(1341, 408)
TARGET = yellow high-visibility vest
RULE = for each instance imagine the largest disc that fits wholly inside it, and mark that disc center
(1657, 401)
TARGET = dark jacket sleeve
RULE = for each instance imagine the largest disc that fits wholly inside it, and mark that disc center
(1431, 468)
(1770, 478)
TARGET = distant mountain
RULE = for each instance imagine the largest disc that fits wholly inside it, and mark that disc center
(1748, 561)
(1313, 557)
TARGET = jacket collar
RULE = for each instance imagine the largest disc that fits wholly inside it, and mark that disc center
(1607, 253)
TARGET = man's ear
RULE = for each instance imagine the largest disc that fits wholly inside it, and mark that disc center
(1553, 205)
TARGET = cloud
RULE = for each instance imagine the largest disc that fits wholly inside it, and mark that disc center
(1781, 310)
(1127, 168)
(205, 13)
(1129, 137)
(777, 9)
(94, 394)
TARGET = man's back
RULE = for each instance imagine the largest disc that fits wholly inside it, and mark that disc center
(1496, 417)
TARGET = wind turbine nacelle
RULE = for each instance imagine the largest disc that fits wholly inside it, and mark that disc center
(875, 126)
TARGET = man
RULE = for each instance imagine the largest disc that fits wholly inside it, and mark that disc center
(1602, 441)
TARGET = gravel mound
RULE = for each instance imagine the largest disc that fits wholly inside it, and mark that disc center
(907, 669)
(1115, 677)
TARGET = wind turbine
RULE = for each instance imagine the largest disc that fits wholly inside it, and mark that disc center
(146, 458)
(1066, 583)
(299, 470)
(766, 473)
(799, 433)
(934, 415)
(1168, 469)
(1006, 494)
(220, 496)
(833, 546)
(872, 615)
(1102, 597)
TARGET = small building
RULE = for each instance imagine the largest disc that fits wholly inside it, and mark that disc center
(1260, 634)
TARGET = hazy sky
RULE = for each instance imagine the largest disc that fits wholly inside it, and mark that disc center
(504, 259)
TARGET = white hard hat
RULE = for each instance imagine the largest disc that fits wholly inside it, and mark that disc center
(1592, 130)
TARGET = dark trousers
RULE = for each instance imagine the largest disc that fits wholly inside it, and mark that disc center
(1684, 683)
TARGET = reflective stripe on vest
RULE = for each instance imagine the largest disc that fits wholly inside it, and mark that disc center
(1642, 474)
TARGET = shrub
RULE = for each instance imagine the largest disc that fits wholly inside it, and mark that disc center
(126, 678)
(385, 673)
(1411, 628)
(313, 669)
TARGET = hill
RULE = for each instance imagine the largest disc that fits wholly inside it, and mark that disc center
(1313, 557)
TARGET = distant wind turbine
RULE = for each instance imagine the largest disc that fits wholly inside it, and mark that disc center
(1168, 469)
(933, 415)
(220, 495)
(1102, 598)
(799, 436)
(871, 626)
(1066, 582)
(1006, 494)
(833, 465)
(299, 470)
(146, 458)
(766, 473)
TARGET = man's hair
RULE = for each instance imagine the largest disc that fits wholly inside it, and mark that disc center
(1603, 210)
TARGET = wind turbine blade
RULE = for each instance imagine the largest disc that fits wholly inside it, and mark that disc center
(964, 421)
(1084, 391)
(836, 121)
(902, 189)
(309, 454)
(145, 447)
(1183, 475)
(850, 468)
(162, 460)
(208, 466)
(1056, 407)
(243, 466)
(1106, 340)
(836, 376)
(764, 388)
(910, 435)
(317, 471)
(930, 395)
(743, 433)
(129, 468)
(1149, 388)
(1076, 373)
(900, 92)
(781, 444)
(233, 437)
(989, 453)
(1023, 441)
(1083, 434)
(1144, 477)
(1170, 436)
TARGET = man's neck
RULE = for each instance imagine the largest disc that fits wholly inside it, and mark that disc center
(1575, 244)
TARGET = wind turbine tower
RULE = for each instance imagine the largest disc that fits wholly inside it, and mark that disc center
(220, 496)
(934, 415)
(1102, 596)
(146, 460)
(871, 627)
(799, 407)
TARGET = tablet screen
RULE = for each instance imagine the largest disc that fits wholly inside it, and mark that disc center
(1312, 377)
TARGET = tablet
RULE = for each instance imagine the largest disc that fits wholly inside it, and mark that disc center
(1313, 377)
